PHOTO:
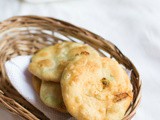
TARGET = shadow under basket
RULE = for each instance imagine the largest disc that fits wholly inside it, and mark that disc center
(24, 35)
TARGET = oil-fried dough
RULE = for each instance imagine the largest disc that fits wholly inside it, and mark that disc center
(96, 89)
(49, 63)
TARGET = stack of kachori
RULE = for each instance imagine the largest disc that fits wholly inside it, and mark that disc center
(73, 77)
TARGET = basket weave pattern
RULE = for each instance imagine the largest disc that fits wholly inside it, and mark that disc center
(24, 35)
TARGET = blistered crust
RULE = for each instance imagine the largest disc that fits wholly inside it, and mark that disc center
(96, 89)
(49, 63)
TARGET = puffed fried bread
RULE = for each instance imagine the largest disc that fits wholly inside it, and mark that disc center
(96, 89)
(49, 63)
(36, 82)
(50, 93)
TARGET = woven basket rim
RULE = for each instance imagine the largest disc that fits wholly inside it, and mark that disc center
(65, 29)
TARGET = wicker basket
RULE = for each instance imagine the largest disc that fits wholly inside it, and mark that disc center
(24, 35)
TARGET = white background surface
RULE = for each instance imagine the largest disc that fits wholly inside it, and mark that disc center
(133, 25)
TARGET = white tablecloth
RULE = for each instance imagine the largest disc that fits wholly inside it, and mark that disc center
(133, 25)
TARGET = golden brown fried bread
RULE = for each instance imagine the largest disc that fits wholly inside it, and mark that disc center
(49, 63)
(96, 89)
(50, 94)
(36, 82)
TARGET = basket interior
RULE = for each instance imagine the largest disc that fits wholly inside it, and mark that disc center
(27, 34)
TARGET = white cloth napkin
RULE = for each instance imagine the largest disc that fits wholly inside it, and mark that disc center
(20, 78)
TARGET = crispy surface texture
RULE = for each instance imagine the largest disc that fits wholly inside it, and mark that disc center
(96, 89)
(50, 93)
(49, 63)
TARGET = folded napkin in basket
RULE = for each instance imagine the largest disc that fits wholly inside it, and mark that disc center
(20, 78)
